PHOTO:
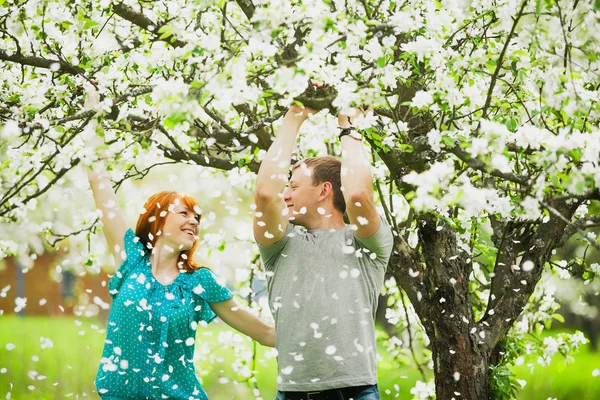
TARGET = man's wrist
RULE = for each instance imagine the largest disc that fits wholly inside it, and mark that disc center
(350, 132)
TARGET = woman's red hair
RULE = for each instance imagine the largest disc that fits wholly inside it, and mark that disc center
(150, 223)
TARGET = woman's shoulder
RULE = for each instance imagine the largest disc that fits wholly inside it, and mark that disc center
(133, 245)
(207, 284)
(199, 277)
(200, 273)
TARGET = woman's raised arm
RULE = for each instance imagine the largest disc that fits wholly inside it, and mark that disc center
(111, 216)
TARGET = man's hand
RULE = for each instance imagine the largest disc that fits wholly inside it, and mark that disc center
(345, 122)
(302, 113)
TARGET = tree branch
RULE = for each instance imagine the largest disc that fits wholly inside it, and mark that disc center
(39, 62)
(205, 160)
(500, 60)
(511, 287)
(247, 8)
(481, 166)
(90, 113)
(139, 19)
(576, 227)
(58, 175)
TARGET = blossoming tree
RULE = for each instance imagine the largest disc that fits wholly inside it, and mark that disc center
(485, 140)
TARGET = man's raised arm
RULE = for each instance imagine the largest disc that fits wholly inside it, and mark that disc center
(357, 183)
(269, 222)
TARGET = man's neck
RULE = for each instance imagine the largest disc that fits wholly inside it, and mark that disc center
(335, 221)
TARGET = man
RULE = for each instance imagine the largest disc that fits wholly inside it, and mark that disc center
(323, 280)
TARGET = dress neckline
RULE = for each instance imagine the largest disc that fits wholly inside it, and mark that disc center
(155, 279)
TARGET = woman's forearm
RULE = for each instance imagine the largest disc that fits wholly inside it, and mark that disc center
(242, 320)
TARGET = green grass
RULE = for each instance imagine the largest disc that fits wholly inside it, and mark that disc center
(560, 380)
(70, 366)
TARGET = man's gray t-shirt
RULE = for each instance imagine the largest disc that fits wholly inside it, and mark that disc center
(323, 290)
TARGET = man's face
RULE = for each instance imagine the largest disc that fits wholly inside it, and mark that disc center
(301, 196)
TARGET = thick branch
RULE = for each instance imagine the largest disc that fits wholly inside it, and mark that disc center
(511, 287)
(578, 226)
(481, 166)
(39, 62)
(574, 226)
(139, 19)
(90, 113)
(205, 160)
(264, 138)
(247, 8)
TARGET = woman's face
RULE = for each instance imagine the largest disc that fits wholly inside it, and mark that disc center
(181, 228)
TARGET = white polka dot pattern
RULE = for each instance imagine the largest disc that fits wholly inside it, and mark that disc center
(151, 329)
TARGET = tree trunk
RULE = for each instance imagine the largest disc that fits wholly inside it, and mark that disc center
(461, 371)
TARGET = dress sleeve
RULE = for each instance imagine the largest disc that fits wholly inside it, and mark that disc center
(134, 254)
(207, 289)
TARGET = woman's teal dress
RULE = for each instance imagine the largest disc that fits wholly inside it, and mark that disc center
(150, 337)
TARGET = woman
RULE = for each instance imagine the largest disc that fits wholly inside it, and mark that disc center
(160, 296)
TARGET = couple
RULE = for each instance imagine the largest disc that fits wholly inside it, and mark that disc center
(323, 280)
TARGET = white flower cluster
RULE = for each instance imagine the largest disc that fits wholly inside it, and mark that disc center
(423, 390)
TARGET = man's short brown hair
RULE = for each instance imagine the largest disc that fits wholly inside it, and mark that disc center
(326, 169)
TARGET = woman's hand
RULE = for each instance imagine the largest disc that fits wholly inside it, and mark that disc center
(92, 98)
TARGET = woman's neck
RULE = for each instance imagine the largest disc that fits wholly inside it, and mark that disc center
(164, 263)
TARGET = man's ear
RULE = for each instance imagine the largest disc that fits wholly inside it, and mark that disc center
(326, 190)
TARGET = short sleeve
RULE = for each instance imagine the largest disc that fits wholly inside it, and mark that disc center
(134, 254)
(381, 242)
(269, 253)
(207, 289)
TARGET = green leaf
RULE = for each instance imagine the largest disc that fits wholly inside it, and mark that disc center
(575, 155)
(538, 8)
(165, 31)
(175, 118)
(66, 24)
(381, 62)
(559, 318)
(511, 125)
(407, 148)
(90, 23)
(448, 141)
